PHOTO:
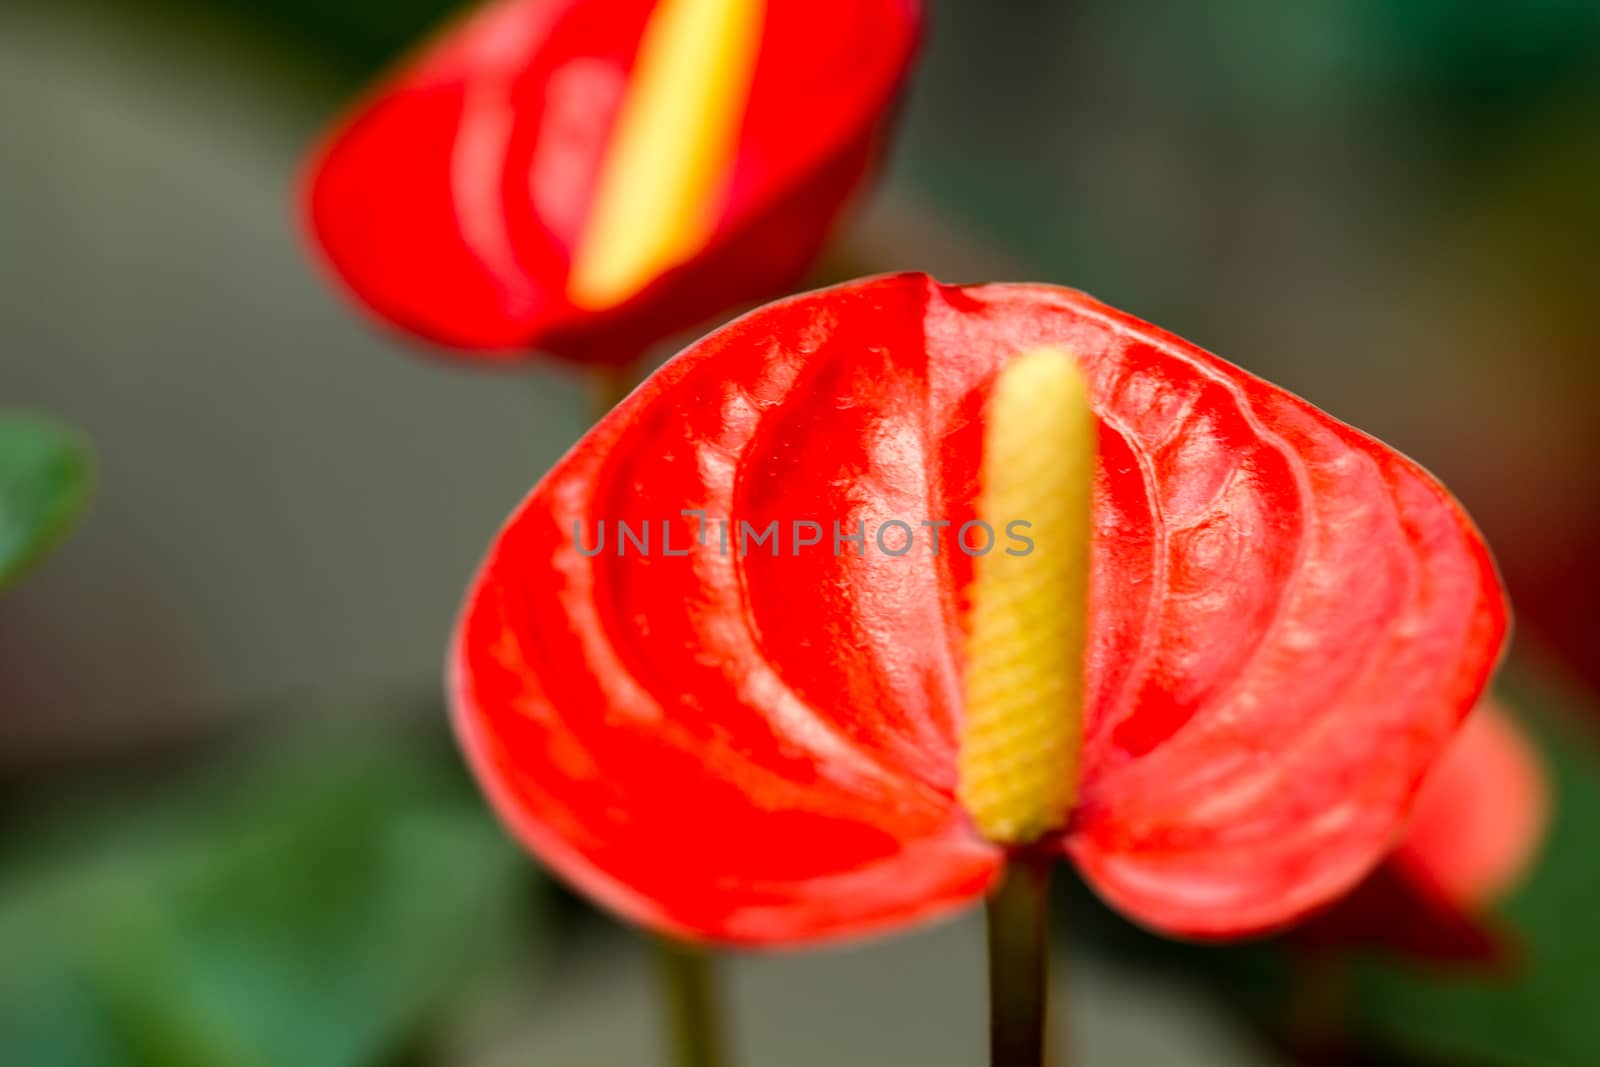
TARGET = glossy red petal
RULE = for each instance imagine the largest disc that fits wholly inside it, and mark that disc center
(451, 200)
(1317, 616)
(1288, 620)
(1476, 829)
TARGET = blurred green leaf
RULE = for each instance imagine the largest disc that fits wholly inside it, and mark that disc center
(1482, 62)
(319, 909)
(44, 482)
(360, 36)
(368, 32)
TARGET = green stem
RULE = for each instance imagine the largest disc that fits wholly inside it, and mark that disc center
(688, 986)
(687, 975)
(611, 385)
(1019, 965)
(1315, 1014)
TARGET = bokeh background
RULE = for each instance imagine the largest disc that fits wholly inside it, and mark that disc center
(233, 830)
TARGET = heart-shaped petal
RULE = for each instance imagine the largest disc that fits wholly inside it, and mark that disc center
(702, 675)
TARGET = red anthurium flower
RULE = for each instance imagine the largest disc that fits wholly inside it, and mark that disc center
(1476, 830)
(585, 177)
(790, 716)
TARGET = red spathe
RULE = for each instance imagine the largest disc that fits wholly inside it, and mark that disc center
(1288, 622)
(1477, 827)
(450, 201)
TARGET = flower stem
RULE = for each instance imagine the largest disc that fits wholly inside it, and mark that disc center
(689, 994)
(1019, 965)
(687, 974)
(1316, 1008)
(611, 385)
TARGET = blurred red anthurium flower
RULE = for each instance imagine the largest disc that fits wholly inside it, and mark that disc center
(1477, 828)
(766, 742)
(586, 177)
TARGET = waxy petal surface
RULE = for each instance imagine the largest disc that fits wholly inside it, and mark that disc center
(453, 200)
(1287, 622)
(1475, 831)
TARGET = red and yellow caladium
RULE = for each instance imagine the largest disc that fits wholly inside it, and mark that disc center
(759, 734)
(585, 177)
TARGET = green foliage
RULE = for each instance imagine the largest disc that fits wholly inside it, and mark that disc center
(44, 482)
(362, 35)
(1490, 59)
(320, 908)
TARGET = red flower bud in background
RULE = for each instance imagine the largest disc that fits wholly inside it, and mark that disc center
(1274, 633)
(1477, 828)
(586, 177)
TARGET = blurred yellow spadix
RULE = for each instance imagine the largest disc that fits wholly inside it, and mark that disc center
(1022, 733)
(656, 201)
